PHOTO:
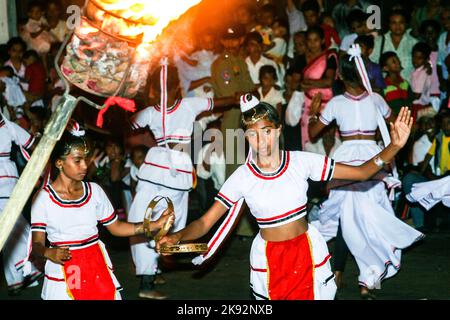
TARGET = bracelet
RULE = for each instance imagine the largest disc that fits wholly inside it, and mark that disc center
(313, 118)
(379, 162)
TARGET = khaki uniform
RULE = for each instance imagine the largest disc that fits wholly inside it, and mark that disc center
(229, 76)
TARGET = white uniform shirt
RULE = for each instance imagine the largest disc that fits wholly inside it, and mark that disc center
(253, 69)
(420, 150)
(355, 115)
(273, 97)
(72, 223)
(217, 167)
(179, 122)
(9, 133)
(279, 197)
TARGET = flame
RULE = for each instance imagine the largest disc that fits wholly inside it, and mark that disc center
(149, 18)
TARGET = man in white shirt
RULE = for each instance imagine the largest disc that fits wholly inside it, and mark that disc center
(256, 60)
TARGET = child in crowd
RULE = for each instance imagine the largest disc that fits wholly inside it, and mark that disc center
(266, 20)
(357, 22)
(12, 94)
(132, 165)
(366, 43)
(421, 77)
(267, 91)
(398, 92)
(430, 31)
(36, 32)
(36, 76)
(16, 48)
(279, 42)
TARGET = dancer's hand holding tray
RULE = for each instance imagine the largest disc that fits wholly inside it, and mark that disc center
(165, 222)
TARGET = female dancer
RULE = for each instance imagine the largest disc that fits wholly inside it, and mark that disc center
(368, 224)
(68, 210)
(318, 70)
(167, 170)
(289, 258)
(16, 246)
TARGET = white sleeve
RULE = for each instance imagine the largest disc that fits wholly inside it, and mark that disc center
(39, 213)
(318, 167)
(328, 113)
(106, 214)
(198, 105)
(20, 136)
(294, 108)
(142, 119)
(382, 105)
(231, 193)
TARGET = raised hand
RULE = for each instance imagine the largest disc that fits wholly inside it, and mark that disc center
(315, 104)
(401, 129)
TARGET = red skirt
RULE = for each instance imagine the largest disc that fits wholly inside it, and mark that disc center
(290, 269)
(87, 275)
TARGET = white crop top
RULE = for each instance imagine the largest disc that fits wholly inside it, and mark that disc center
(72, 223)
(279, 197)
(179, 122)
(355, 114)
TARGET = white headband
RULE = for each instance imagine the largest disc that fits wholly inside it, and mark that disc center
(247, 102)
(355, 53)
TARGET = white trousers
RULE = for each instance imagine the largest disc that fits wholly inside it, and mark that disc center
(145, 257)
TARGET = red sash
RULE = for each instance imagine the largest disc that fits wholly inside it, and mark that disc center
(290, 269)
(87, 275)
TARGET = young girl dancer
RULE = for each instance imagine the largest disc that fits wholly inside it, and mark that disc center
(289, 258)
(68, 211)
(16, 246)
(167, 170)
(369, 227)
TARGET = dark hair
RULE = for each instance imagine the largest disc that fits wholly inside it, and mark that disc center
(55, 2)
(254, 36)
(385, 57)
(399, 12)
(16, 40)
(172, 78)
(261, 109)
(33, 4)
(367, 40)
(443, 115)
(349, 73)
(40, 113)
(300, 33)
(31, 54)
(268, 8)
(311, 5)
(356, 16)
(430, 23)
(65, 145)
(423, 48)
(283, 23)
(268, 69)
(139, 148)
(9, 70)
(317, 30)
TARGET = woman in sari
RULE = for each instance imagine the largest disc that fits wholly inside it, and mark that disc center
(318, 72)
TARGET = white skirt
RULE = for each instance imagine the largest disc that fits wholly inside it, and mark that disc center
(372, 232)
(323, 278)
(428, 194)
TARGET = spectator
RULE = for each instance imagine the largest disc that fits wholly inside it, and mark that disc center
(327, 144)
(444, 50)
(36, 77)
(296, 24)
(280, 33)
(266, 20)
(357, 22)
(341, 11)
(38, 120)
(397, 39)
(57, 26)
(291, 131)
(430, 11)
(366, 43)
(131, 169)
(267, 91)
(255, 59)
(16, 48)
(311, 11)
(398, 92)
(14, 99)
(430, 30)
(245, 15)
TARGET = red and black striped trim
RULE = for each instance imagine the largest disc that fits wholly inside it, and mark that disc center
(40, 227)
(109, 220)
(170, 109)
(257, 295)
(70, 203)
(165, 167)
(76, 243)
(328, 169)
(5, 155)
(301, 211)
(2, 123)
(285, 158)
(210, 104)
(29, 142)
(224, 200)
(173, 139)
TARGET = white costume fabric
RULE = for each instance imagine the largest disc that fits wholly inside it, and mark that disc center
(428, 194)
(16, 246)
(71, 223)
(370, 229)
(165, 172)
(275, 199)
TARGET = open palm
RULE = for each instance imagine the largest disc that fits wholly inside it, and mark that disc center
(401, 129)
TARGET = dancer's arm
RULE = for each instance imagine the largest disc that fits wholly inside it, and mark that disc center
(400, 131)
(197, 228)
(57, 255)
